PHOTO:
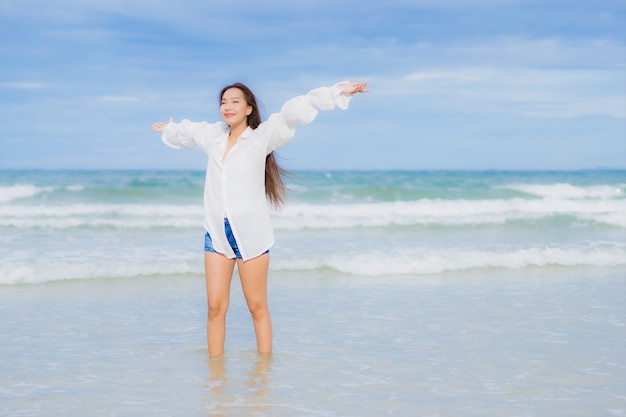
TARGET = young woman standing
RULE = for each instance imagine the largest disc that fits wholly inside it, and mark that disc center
(242, 177)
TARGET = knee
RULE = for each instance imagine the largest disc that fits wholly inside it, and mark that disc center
(258, 310)
(217, 309)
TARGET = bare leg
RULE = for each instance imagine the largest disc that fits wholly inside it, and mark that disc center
(218, 271)
(253, 274)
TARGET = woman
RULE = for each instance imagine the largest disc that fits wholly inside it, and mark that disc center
(241, 178)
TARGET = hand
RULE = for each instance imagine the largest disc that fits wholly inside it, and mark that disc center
(160, 126)
(353, 88)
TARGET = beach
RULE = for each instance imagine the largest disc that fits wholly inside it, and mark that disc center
(401, 294)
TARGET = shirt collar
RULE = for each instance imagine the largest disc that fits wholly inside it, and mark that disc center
(246, 133)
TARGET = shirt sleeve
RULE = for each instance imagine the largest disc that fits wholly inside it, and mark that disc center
(182, 135)
(302, 110)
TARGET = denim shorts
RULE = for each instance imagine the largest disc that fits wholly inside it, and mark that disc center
(208, 243)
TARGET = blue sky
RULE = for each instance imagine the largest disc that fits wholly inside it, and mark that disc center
(456, 84)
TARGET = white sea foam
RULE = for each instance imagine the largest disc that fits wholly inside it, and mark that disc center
(433, 261)
(75, 187)
(568, 191)
(613, 219)
(447, 212)
(18, 191)
(35, 272)
(122, 216)
(405, 261)
(14, 192)
(321, 216)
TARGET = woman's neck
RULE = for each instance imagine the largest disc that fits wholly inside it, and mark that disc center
(236, 131)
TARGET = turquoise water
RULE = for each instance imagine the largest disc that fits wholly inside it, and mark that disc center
(57, 225)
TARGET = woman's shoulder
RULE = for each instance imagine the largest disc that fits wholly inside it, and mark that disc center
(205, 129)
(205, 125)
(220, 126)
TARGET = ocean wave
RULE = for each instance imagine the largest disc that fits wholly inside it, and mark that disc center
(300, 216)
(119, 216)
(568, 191)
(21, 191)
(436, 261)
(413, 261)
(447, 213)
(14, 192)
(38, 272)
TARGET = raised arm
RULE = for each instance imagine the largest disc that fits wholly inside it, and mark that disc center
(302, 110)
(185, 134)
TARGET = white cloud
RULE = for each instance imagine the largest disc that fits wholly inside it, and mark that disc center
(507, 51)
(444, 77)
(547, 52)
(538, 77)
(120, 99)
(519, 90)
(20, 85)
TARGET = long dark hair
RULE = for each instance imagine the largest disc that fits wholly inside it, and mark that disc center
(275, 189)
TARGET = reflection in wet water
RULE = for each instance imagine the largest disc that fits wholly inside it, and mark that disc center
(237, 391)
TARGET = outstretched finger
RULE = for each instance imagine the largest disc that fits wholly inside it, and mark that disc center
(361, 88)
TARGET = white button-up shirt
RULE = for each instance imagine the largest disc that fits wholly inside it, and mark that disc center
(235, 188)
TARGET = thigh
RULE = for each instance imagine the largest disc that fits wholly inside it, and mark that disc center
(218, 273)
(253, 275)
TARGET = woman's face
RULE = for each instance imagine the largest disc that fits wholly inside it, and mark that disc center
(234, 108)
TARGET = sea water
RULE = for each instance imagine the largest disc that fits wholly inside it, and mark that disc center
(64, 225)
(435, 293)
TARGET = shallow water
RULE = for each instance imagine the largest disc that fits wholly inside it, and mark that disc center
(544, 342)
